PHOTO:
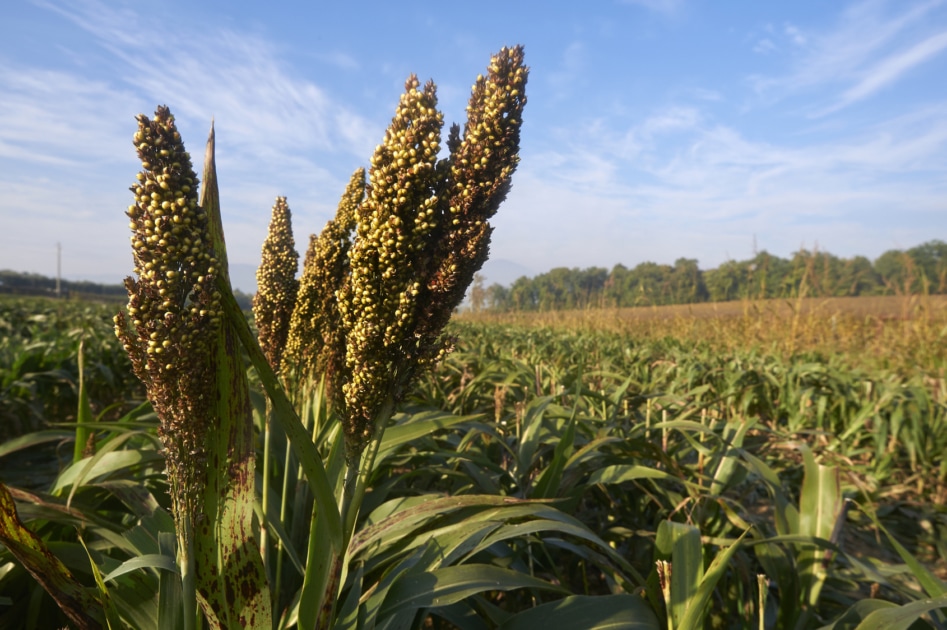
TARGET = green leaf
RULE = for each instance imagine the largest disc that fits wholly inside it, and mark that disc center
(170, 597)
(34, 439)
(857, 612)
(448, 585)
(103, 463)
(548, 484)
(82, 608)
(620, 473)
(84, 412)
(820, 506)
(902, 617)
(681, 544)
(607, 612)
(112, 617)
(694, 617)
(147, 561)
(388, 523)
(932, 585)
(229, 568)
(415, 426)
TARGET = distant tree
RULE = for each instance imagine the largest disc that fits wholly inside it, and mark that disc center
(478, 294)
(930, 260)
(591, 286)
(687, 282)
(858, 277)
(896, 270)
(614, 285)
(808, 273)
(498, 298)
(523, 294)
(726, 282)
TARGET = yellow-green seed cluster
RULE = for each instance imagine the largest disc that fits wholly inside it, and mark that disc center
(174, 307)
(388, 259)
(370, 311)
(482, 163)
(316, 342)
(276, 284)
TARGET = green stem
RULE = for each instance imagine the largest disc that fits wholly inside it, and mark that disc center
(286, 416)
(283, 509)
(84, 412)
(188, 573)
(358, 471)
(265, 496)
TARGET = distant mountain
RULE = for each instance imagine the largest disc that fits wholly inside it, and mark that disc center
(504, 272)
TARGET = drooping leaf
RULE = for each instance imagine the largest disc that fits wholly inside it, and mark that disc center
(451, 584)
(79, 604)
(606, 612)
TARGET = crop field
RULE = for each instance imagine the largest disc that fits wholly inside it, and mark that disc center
(903, 332)
(765, 481)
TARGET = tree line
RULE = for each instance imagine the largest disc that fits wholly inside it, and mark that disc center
(37, 284)
(808, 273)
(26, 283)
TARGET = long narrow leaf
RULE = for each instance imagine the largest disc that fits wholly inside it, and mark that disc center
(230, 573)
(82, 608)
(451, 584)
(607, 612)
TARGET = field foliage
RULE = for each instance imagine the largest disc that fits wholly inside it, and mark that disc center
(786, 484)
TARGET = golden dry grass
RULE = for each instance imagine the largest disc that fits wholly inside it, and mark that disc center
(908, 333)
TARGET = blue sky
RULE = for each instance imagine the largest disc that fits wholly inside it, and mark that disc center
(655, 129)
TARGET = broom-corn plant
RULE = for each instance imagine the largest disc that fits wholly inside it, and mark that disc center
(394, 265)
(187, 355)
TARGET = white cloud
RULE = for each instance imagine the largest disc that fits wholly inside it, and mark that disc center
(53, 117)
(795, 35)
(563, 79)
(764, 46)
(890, 69)
(275, 128)
(659, 6)
(678, 183)
(872, 45)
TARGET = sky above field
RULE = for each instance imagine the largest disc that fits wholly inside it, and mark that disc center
(655, 129)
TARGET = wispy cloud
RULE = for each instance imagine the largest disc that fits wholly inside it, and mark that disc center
(678, 171)
(275, 128)
(795, 35)
(563, 79)
(660, 6)
(764, 46)
(235, 77)
(53, 117)
(872, 45)
(890, 69)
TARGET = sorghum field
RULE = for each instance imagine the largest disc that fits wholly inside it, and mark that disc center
(353, 455)
(786, 463)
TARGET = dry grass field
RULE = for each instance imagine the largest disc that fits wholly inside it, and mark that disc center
(904, 332)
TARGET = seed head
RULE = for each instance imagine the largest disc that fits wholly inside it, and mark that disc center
(173, 303)
(315, 343)
(276, 284)
(377, 303)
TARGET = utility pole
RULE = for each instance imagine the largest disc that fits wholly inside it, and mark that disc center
(58, 269)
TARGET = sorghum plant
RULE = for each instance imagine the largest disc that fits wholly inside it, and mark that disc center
(421, 234)
(186, 355)
(378, 286)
